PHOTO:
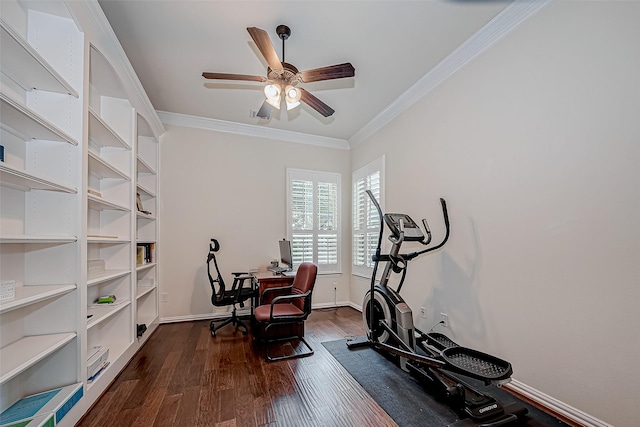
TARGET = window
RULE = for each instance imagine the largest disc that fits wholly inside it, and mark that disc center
(313, 218)
(366, 221)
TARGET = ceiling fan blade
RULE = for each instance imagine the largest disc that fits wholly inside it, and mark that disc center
(265, 111)
(226, 76)
(315, 103)
(339, 71)
(262, 40)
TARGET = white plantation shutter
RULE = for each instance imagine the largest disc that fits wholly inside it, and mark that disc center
(313, 218)
(366, 221)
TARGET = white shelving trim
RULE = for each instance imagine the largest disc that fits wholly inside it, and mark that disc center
(144, 290)
(37, 238)
(141, 215)
(143, 167)
(98, 203)
(27, 124)
(27, 67)
(142, 267)
(102, 169)
(101, 314)
(146, 191)
(20, 355)
(25, 181)
(103, 276)
(101, 134)
(31, 294)
(106, 239)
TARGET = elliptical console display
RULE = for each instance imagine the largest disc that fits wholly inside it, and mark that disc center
(431, 357)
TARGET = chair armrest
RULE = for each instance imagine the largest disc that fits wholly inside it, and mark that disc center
(279, 288)
(281, 297)
(241, 273)
(238, 283)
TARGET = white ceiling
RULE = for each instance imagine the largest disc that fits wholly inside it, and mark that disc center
(391, 44)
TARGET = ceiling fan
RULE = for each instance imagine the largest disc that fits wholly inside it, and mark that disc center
(283, 78)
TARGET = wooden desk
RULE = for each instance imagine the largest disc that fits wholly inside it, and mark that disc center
(267, 279)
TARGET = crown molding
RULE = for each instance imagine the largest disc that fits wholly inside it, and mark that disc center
(502, 24)
(250, 130)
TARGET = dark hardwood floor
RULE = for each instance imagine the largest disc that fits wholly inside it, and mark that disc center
(184, 377)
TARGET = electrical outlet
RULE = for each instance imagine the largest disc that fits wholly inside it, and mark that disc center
(164, 297)
(423, 313)
(444, 318)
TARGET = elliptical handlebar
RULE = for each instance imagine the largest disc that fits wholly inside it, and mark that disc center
(412, 255)
(445, 214)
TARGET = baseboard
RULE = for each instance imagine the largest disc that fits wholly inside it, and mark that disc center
(324, 305)
(221, 316)
(355, 306)
(554, 406)
(567, 413)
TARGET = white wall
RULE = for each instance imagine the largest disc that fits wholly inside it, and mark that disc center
(233, 188)
(535, 147)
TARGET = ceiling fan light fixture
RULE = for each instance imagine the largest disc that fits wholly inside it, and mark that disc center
(292, 97)
(272, 92)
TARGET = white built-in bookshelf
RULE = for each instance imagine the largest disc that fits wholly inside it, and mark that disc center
(78, 149)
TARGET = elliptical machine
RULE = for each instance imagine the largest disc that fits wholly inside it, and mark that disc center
(430, 357)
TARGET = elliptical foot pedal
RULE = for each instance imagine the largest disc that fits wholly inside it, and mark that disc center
(357, 342)
(476, 364)
(440, 341)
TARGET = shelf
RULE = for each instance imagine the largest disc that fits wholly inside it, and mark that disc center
(101, 169)
(141, 215)
(27, 67)
(99, 204)
(26, 124)
(143, 190)
(31, 294)
(25, 181)
(101, 314)
(142, 267)
(144, 168)
(102, 135)
(25, 238)
(107, 239)
(103, 276)
(144, 290)
(20, 355)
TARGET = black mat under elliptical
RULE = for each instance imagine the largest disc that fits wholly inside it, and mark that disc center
(405, 399)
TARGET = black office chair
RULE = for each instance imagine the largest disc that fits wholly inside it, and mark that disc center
(222, 297)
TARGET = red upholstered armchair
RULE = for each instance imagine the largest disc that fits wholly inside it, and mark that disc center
(291, 306)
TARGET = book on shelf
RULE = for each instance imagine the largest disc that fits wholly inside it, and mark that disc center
(139, 205)
(94, 192)
(56, 403)
(145, 253)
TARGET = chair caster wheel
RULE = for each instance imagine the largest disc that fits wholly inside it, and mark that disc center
(213, 334)
(244, 332)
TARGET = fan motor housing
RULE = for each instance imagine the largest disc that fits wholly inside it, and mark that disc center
(289, 74)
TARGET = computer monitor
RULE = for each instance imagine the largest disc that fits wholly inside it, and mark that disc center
(286, 257)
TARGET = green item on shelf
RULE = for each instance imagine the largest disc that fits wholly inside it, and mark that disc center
(107, 299)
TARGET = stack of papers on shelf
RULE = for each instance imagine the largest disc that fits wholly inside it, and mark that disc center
(7, 289)
(42, 409)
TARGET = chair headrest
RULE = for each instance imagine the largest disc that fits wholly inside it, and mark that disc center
(214, 246)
